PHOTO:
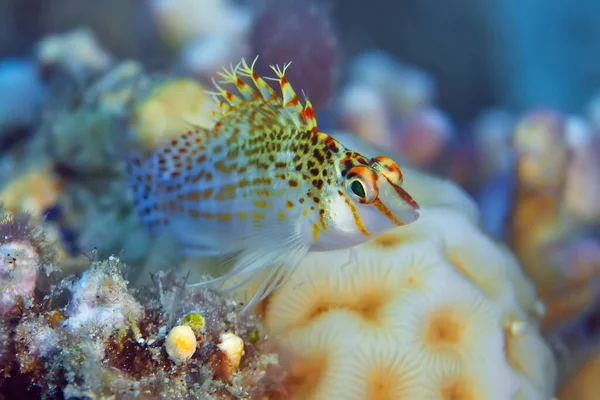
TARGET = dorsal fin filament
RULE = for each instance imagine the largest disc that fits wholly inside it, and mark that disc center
(284, 109)
(266, 91)
(308, 116)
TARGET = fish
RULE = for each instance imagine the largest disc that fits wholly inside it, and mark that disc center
(262, 186)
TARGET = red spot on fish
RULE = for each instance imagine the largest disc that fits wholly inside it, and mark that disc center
(307, 114)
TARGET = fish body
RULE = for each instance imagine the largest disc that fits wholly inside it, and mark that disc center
(264, 185)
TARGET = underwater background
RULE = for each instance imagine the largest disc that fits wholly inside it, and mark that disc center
(490, 109)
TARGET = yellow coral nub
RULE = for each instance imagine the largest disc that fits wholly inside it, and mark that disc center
(180, 344)
(233, 348)
(195, 321)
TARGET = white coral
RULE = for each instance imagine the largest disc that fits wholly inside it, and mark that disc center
(432, 310)
(101, 303)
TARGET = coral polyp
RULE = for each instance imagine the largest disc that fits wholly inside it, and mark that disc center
(180, 343)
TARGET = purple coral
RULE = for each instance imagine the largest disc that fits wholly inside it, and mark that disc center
(300, 32)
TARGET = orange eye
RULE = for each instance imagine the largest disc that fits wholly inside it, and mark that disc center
(361, 183)
(388, 168)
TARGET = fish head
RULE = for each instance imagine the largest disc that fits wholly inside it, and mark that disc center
(367, 201)
(373, 191)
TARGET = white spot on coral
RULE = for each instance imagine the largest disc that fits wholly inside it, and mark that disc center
(101, 303)
(233, 347)
(518, 327)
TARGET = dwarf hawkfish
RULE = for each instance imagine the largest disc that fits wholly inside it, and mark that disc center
(263, 186)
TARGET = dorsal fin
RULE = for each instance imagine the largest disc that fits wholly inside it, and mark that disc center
(277, 109)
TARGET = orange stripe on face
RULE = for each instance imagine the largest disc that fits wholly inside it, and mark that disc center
(322, 213)
(316, 232)
(405, 196)
(357, 218)
(386, 211)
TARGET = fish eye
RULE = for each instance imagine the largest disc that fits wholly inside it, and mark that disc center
(358, 188)
(361, 183)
